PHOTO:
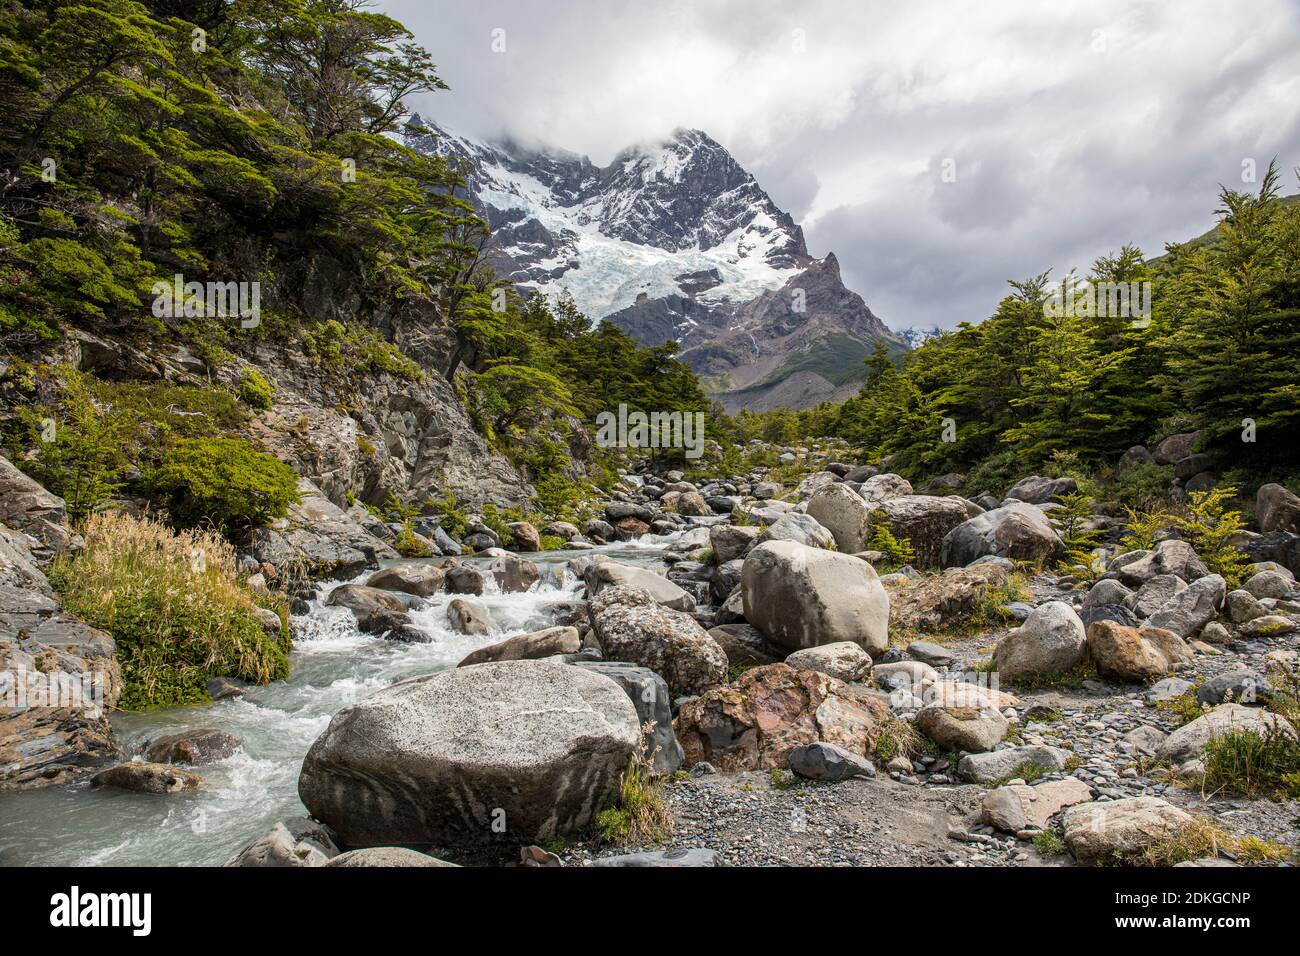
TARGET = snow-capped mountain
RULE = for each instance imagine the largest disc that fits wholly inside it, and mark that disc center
(673, 241)
(916, 337)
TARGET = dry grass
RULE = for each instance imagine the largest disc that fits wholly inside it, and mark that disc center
(641, 817)
(176, 606)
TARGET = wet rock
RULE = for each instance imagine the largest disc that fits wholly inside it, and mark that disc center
(438, 759)
(195, 747)
(531, 646)
(468, 617)
(463, 579)
(141, 777)
(513, 573)
(297, 841)
(422, 580)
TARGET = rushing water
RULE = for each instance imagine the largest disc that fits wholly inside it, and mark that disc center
(333, 665)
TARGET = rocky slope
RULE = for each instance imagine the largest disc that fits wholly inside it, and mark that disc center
(675, 241)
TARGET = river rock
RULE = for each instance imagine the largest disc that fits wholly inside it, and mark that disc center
(842, 512)
(755, 722)
(799, 528)
(296, 841)
(805, 597)
(538, 746)
(512, 573)
(1191, 608)
(632, 626)
(463, 579)
(843, 660)
(602, 574)
(1129, 654)
(1018, 807)
(956, 727)
(364, 601)
(1188, 741)
(422, 580)
(822, 761)
(196, 747)
(1002, 764)
(730, 541)
(1051, 641)
(468, 617)
(534, 645)
(1017, 531)
(139, 776)
(653, 702)
(319, 537)
(1121, 830)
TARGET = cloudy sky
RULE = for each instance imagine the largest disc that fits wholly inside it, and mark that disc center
(1072, 127)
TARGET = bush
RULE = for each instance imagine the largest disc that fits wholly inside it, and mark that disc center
(641, 816)
(225, 481)
(1254, 764)
(1210, 529)
(175, 606)
(254, 390)
(897, 552)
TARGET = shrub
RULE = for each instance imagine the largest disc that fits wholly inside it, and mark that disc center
(897, 551)
(1144, 528)
(1071, 521)
(451, 518)
(222, 480)
(254, 390)
(1254, 764)
(1210, 528)
(175, 606)
(641, 816)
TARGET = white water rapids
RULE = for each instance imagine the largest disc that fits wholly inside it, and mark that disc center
(332, 665)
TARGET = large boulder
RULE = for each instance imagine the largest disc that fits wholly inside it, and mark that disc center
(422, 580)
(633, 627)
(1277, 508)
(1176, 447)
(804, 597)
(1129, 654)
(924, 520)
(745, 645)
(880, 488)
(1018, 807)
(1002, 764)
(974, 726)
(842, 512)
(942, 603)
(1017, 531)
(799, 528)
(754, 723)
(1167, 557)
(1121, 831)
(26, 506)
(652, 699)
(534, 645)
(1051, 641)
(1192, 608)
(844, 660)
(521, 751)
(602, 574)
(1188, 741)
(296, 841)
(1038, 490)
(1154, 594)
(318, 537)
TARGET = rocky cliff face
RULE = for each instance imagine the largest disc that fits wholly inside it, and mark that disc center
(675, 241)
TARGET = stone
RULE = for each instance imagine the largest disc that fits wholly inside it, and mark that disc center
(805, 597)
(633, 627)
(879, 488)
(363, 601)
(1176, 447)
(1242, 686)
(1168, 688)
(1188, 741)
(1106, 591)
(603, 574)
(422, 580)
(822, 761)
(970, 728)
(463, 579)
(139, 776)
(1002, 764)
(534, 645)
(1129, 654)
(942, 603)
(1270, 584)
(936, 655)
(1270, 625)
(512, 573)
(1191, 608)
(924, 520)
(525, 536)
(799, 528)
(1051, 641)
(693, 505)
(1167, 557)
(652, 699)
(468, 617)
(1242, 606)
(385, 856)
(755, 722)
(1019, 807)
(844, 660)
(1146, 739)
(296, 841)
(437, 759)
(318, 537)
(1037, 490)
(1155, 594)
(1016, 530)
(1277, 508)
(195, 747)
(1122, 830)
(842, 512)
(730, 541)
(26, 506)
(745, 645)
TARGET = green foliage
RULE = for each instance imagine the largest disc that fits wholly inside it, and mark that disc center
(1048, 843)
(1144, 529)
(897, 552)
(451, 518)
(1071, 521)
(1209, 527)
(254, 390)
(175, 606)
(641, 816)
(224, 481)
(1254, 764)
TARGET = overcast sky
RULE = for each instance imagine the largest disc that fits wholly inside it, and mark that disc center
(1072, 127)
